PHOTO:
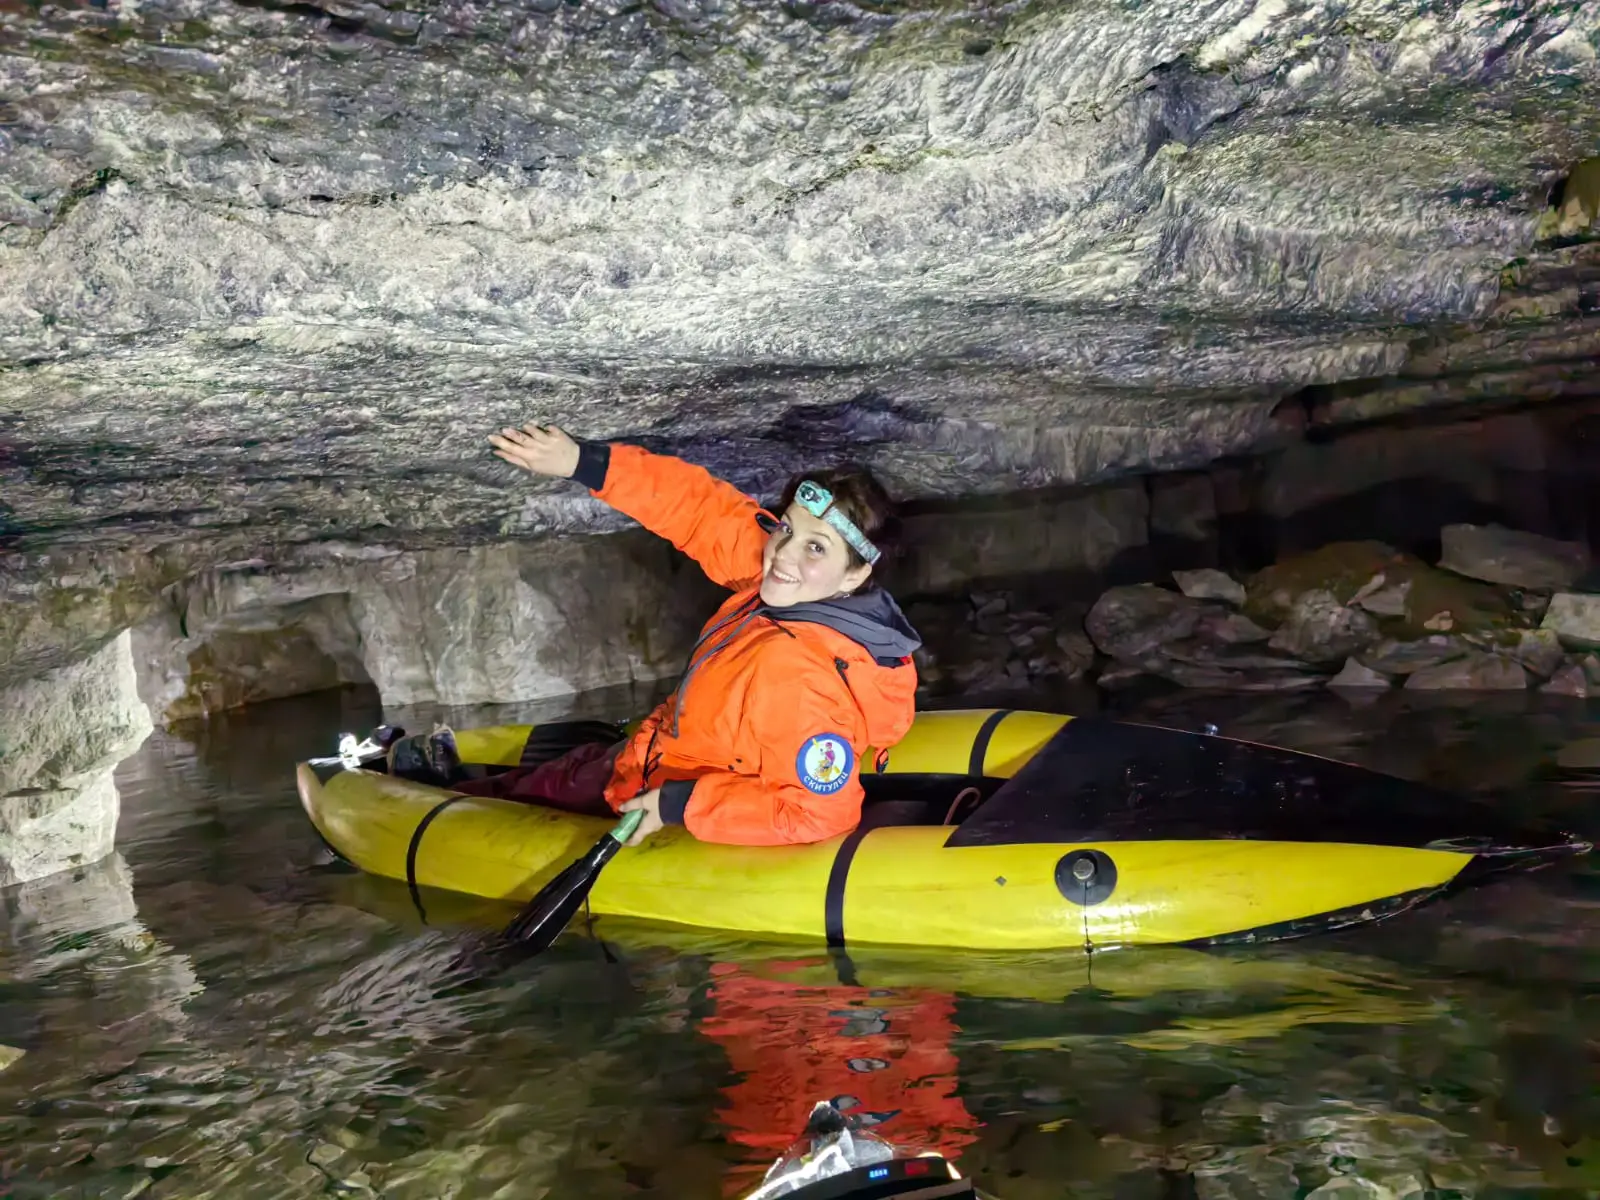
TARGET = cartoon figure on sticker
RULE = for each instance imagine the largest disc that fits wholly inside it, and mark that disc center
(830, 765)
(824, 763)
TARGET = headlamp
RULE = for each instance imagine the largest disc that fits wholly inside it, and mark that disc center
(818, 501)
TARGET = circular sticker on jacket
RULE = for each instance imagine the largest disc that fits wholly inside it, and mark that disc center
(824, 763)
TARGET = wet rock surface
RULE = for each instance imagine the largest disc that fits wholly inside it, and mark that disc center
(1356, 615)
(1474, 671)
(1129, 622)
(1512, 557)
(1319, 629)
(1570, 680)
(1574, 618)
(504, 622)
(60, 737)
(1358, 675)
(996, 640)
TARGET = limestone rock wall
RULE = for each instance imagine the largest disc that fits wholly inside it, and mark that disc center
(1078, 535)
(504, 622)
(270, 272)
(521, 620)
(1405, 481)
(61, 735)
(1533, 469)
(263, 651)
(278, 267)
(518, 621)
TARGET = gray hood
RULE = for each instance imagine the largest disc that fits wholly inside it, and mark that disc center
(871, 619)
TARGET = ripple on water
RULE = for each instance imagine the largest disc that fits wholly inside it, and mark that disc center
(214, 1012)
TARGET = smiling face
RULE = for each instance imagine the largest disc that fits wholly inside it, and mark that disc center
(806, 559)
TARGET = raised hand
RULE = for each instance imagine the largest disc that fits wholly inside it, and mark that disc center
(542, 449)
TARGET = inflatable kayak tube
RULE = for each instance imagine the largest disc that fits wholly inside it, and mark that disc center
(984, 829)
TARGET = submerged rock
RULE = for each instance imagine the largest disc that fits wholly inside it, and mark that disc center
(1570, 680)
(1511, 557)
(1473, 672)
(1204, 653)
(1247, 679)
(1580, 755)
(1393, 657)
(1123, 674)
(1354, 675)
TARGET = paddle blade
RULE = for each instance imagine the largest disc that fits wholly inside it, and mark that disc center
(544, 917)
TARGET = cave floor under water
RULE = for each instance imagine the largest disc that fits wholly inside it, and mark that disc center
(218, 1011)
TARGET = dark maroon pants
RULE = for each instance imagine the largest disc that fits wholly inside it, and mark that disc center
(575, 782)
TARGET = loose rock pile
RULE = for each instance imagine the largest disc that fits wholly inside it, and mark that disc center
(992, 641)
(1503, 610)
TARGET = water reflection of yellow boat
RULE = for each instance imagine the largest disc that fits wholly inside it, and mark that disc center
(1160, 998)
(1157, 998)
(1086, 833)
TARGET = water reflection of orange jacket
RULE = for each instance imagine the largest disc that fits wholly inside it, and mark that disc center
(883, 1055)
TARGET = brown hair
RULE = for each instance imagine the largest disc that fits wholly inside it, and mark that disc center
(858, 494)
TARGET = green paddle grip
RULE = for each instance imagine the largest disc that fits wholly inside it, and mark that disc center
(627, 825)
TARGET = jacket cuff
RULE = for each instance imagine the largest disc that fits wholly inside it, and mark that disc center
(594, 461)
(675, 795)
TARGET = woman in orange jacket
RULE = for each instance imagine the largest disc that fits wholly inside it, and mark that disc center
(802, 669)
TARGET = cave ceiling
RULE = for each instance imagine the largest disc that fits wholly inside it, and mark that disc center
(269, 272)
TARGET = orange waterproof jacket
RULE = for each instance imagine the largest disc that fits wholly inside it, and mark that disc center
(761, 743)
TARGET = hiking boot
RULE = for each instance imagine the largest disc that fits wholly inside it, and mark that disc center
(387, 735)
(430, 758)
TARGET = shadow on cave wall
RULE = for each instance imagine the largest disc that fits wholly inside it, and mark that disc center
(1406, 514)
(1244, 514)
